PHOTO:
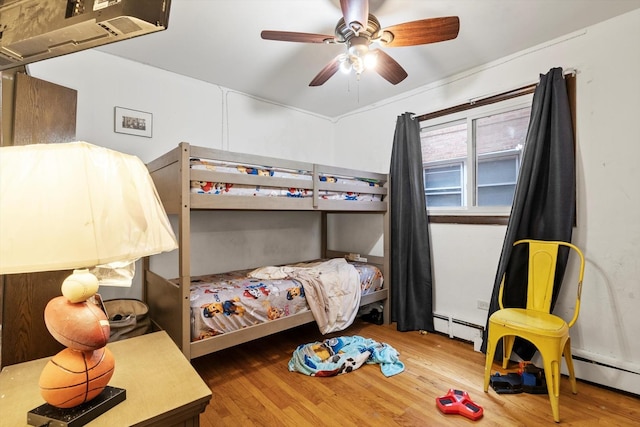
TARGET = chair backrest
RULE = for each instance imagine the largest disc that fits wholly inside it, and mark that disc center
(543, 257)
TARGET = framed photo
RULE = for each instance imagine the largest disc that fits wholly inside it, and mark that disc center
(133, 122)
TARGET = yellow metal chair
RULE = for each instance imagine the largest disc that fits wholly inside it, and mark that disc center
(535, 323)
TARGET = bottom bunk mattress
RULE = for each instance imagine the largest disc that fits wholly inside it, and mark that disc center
(225, 302)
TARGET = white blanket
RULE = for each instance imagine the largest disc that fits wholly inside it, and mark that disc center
(332, 290)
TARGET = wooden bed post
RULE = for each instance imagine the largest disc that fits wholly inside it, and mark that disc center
(184, 219)
(323, 235)
(386, 271)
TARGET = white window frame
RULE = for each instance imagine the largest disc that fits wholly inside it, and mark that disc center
(470, 163)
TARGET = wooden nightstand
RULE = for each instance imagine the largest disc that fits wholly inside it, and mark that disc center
(162, 387)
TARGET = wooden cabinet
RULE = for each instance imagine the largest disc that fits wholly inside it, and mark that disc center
(32, 111)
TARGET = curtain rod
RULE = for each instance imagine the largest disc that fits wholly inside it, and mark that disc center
(513, 93)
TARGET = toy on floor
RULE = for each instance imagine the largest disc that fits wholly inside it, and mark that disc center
(533, 378)
(528, 379)
(459, 402)
(510, 383)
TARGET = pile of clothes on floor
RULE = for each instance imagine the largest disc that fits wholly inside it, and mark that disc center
(340, 355)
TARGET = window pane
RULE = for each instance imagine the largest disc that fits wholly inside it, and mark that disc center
(445, 143)
(498, 171)
(500, 140)
(502, 132)
(496, 196)
(443, 185)
(444, 200)
(444, 149)
(442, 177)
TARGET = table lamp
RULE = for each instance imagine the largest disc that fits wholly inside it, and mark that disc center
(77, 206)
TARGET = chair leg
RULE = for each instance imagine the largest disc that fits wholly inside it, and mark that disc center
(507, 348)
(488, 363)
(552, 376)
(569, 359)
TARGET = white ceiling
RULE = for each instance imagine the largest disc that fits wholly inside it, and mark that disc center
(218, 41)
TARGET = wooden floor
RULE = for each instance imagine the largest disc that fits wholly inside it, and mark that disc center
(252, 387)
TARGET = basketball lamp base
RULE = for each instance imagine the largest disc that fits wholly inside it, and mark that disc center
(48, 415)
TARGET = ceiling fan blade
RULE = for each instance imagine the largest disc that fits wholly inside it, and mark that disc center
(423, 31)
(355, 13)
(388, 68)
(289, 36)
(327, 72)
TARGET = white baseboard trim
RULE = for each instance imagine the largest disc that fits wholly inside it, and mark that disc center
(460, 329)
(605, 375)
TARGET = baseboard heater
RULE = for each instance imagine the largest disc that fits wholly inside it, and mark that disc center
(599, 369)
(459, 329)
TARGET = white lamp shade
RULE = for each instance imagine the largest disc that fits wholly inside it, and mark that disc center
(75, 205)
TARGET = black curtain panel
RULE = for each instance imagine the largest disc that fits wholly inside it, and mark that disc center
(544, 201)
(411, 293)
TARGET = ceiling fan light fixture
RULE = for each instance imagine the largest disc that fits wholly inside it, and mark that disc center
(357, 63)
(357, 29)
(370, 60)
(359, 46)
(345, 65)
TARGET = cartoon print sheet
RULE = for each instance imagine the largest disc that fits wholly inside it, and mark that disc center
(226, 188)
(226, 302)
(229, 189)
(230, 167)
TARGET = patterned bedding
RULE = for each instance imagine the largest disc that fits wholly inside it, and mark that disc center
(226, 188)
(229, 301)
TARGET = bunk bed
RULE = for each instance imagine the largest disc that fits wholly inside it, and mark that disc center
(190, 178)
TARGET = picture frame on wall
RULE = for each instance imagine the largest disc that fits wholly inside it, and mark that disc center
(133, 122)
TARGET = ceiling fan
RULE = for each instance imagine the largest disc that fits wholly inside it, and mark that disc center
(358, 29)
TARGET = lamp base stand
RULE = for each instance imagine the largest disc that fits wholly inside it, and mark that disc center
(48, 415)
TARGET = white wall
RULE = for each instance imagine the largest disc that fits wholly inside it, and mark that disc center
(183, 109)
(465, 257)
(273, 130)
(202, 114)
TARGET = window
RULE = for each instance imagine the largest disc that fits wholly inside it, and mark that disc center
(471, 159)
(443, 185)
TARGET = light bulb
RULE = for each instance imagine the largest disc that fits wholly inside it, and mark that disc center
(345, 66)
(370, 60)
(358, 64)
